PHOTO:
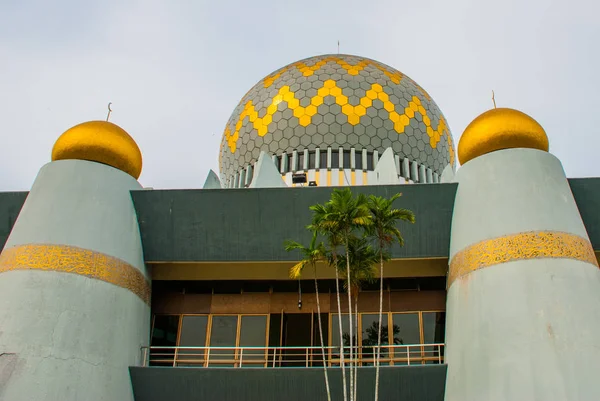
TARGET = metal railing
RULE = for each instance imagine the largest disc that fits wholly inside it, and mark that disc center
(238, 357)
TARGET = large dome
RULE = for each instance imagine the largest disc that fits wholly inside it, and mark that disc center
(336, 101)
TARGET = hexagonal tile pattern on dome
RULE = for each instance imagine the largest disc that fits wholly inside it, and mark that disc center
(336, 101)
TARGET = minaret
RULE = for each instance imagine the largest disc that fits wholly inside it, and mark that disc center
(523, 308)
(74, 290)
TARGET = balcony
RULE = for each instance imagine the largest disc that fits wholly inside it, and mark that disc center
(296, 357)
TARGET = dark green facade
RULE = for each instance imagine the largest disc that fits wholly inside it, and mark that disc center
(409, 383)
(587, 196)
(252, 224)
(10, 206)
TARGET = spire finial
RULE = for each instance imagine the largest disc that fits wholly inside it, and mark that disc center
(109, 111)
(493, 99)
(338, 47)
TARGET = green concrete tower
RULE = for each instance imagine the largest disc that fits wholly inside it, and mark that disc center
(523, 310)
(74, 290)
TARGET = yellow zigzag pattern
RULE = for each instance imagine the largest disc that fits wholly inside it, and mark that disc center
(307, 71)
(394, 76)
(354, 113)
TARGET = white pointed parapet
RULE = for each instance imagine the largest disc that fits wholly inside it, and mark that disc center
(74, 290)
(386, 171)
(447, 174)
(266, 174)
(523, 308)
(212, 181)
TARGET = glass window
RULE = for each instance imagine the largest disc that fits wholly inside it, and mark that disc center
(164, 334)
(311, 160)
(193, 334)
(433, 327)
(223, 334)
(370, 329)
(317, 357)
(405, 329)
(323, 157)
(253, 333)
(370, 161)
(434, 324)
(278, 163)
(165, 330)
(358, 160)
(346, 159)
(335, 334)
(274, 335)
(335, 159)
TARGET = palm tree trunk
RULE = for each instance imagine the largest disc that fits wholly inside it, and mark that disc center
(342, 365)
(379, 328)
(349, 286)
(321, 334)
(357, 346)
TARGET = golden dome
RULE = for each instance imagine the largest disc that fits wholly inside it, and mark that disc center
(498, 129)
(102, 142)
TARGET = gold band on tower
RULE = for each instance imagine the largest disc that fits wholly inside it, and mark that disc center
(75, 260)
(522, 246)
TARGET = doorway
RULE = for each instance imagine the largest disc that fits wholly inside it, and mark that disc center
(297, 329)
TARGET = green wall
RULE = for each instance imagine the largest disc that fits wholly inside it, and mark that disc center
(252, 224)
(10, 206)
(406, 383)
(587, 195)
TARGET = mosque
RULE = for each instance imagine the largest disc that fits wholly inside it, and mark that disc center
(113, 291)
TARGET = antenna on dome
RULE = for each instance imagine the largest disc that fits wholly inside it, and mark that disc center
(493, 99)
(109, 111)
(338, 47)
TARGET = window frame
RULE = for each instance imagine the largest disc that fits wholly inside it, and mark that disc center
(205, 360)
(390, 359)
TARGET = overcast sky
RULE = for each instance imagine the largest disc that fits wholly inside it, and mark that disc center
(175, 70)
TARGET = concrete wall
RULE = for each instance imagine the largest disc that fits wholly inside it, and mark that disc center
(525, 329)
(73, 337)
(512, 191)
(82, 204)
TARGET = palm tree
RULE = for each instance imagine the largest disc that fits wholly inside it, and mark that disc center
(344, 213)
(321, 224)
(362, 261)
(312, 254)
(385, 232)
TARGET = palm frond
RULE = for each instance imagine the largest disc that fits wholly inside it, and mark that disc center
(362, 220)
(402, 214)
(292, 246)
(296, 270)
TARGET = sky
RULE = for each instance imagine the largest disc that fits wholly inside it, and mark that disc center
(175, 70)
